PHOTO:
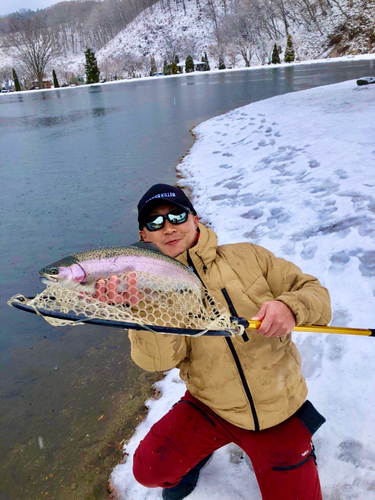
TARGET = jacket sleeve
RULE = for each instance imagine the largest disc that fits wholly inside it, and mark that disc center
(157, 352)
(302, 293)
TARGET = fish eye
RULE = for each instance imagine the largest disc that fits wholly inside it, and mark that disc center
(53, 270)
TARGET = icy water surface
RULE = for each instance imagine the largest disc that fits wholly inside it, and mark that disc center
(74, 163)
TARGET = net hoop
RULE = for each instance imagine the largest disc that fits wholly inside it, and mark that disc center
(222, 325)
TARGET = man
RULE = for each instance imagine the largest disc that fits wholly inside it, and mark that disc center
(248, 389)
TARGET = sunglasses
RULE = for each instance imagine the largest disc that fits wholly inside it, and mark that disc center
(156, 222)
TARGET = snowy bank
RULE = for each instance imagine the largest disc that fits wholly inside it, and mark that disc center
(295, 174)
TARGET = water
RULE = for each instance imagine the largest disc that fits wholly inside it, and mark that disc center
(74, 163)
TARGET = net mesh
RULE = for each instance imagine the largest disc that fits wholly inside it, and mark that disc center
(140, 298)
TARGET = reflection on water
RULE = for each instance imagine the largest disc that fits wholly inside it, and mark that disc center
(53, 121)
(72, 183)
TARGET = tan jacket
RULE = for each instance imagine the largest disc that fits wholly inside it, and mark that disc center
(252, 381)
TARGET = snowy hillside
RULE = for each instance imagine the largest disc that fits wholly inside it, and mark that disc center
(347, 28)
(155, 31)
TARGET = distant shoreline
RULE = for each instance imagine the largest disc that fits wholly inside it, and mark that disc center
(364, 57)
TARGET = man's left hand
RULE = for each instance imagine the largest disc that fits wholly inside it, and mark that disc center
(277, 319)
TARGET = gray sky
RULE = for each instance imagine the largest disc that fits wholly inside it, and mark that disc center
(8, 6)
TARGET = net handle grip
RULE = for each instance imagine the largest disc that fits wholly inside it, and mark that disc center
(254, 325)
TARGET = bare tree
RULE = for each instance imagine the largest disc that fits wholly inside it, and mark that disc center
(211, 12)
(131, 64)
(191, 46)
(33, 45)
(218, 52)
(5, 76)
(238, 31)
(172, 47)
(232, 54)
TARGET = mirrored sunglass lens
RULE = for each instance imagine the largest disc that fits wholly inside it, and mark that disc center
(177, 218)
(155, 223)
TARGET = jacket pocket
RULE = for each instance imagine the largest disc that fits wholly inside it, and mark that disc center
(310, 417)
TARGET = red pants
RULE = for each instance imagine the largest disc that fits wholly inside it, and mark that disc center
(281, 456)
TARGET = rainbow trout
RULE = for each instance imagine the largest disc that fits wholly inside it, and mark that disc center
(85, 268)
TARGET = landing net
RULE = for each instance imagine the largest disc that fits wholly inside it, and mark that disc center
(141, 299)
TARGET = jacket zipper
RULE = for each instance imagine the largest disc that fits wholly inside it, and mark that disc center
(232, 349)
(236, 358)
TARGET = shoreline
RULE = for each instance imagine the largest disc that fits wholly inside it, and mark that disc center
(361, 57)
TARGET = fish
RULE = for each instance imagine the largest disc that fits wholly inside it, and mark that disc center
(85, 268)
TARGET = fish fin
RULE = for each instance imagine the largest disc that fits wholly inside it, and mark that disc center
(146, 245)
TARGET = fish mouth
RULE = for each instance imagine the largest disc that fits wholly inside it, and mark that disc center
(47, 278)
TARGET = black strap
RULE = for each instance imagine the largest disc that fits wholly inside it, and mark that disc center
(233, 310)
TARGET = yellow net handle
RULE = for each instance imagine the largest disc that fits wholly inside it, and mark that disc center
(254, 325)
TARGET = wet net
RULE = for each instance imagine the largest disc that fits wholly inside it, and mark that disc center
(138, 300)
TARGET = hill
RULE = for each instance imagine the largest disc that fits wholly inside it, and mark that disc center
(240, 32)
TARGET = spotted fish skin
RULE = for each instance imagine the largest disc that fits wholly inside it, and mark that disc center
(85, 268)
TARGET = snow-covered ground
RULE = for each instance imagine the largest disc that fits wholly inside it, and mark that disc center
(296, 174)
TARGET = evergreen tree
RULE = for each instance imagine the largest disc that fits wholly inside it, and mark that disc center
(189, 65)
(55, 81)
(166, 68)
(91, 67)
(221, 64)
(289, 51)
(275, 55)
(174, 66)
(153, 68)
(206, 66)
(16, 82)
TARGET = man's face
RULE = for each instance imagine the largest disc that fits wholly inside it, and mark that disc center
(172, 239)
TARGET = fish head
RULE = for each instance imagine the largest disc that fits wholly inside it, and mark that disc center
(65, 272)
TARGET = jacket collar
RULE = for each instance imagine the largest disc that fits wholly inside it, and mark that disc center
(204, 252)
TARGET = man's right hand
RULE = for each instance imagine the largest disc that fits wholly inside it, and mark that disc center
(107, 290)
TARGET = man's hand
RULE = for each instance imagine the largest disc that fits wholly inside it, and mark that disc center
(277, 319)
(107, 290)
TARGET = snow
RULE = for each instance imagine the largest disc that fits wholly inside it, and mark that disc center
(295, 174)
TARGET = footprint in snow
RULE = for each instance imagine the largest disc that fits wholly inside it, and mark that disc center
(342, 174)
(308, 251)
(314, 164)
(367, 266)
(254, 214)
(337, 346)
(311, 350)
(356, 453)
(288, 248)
